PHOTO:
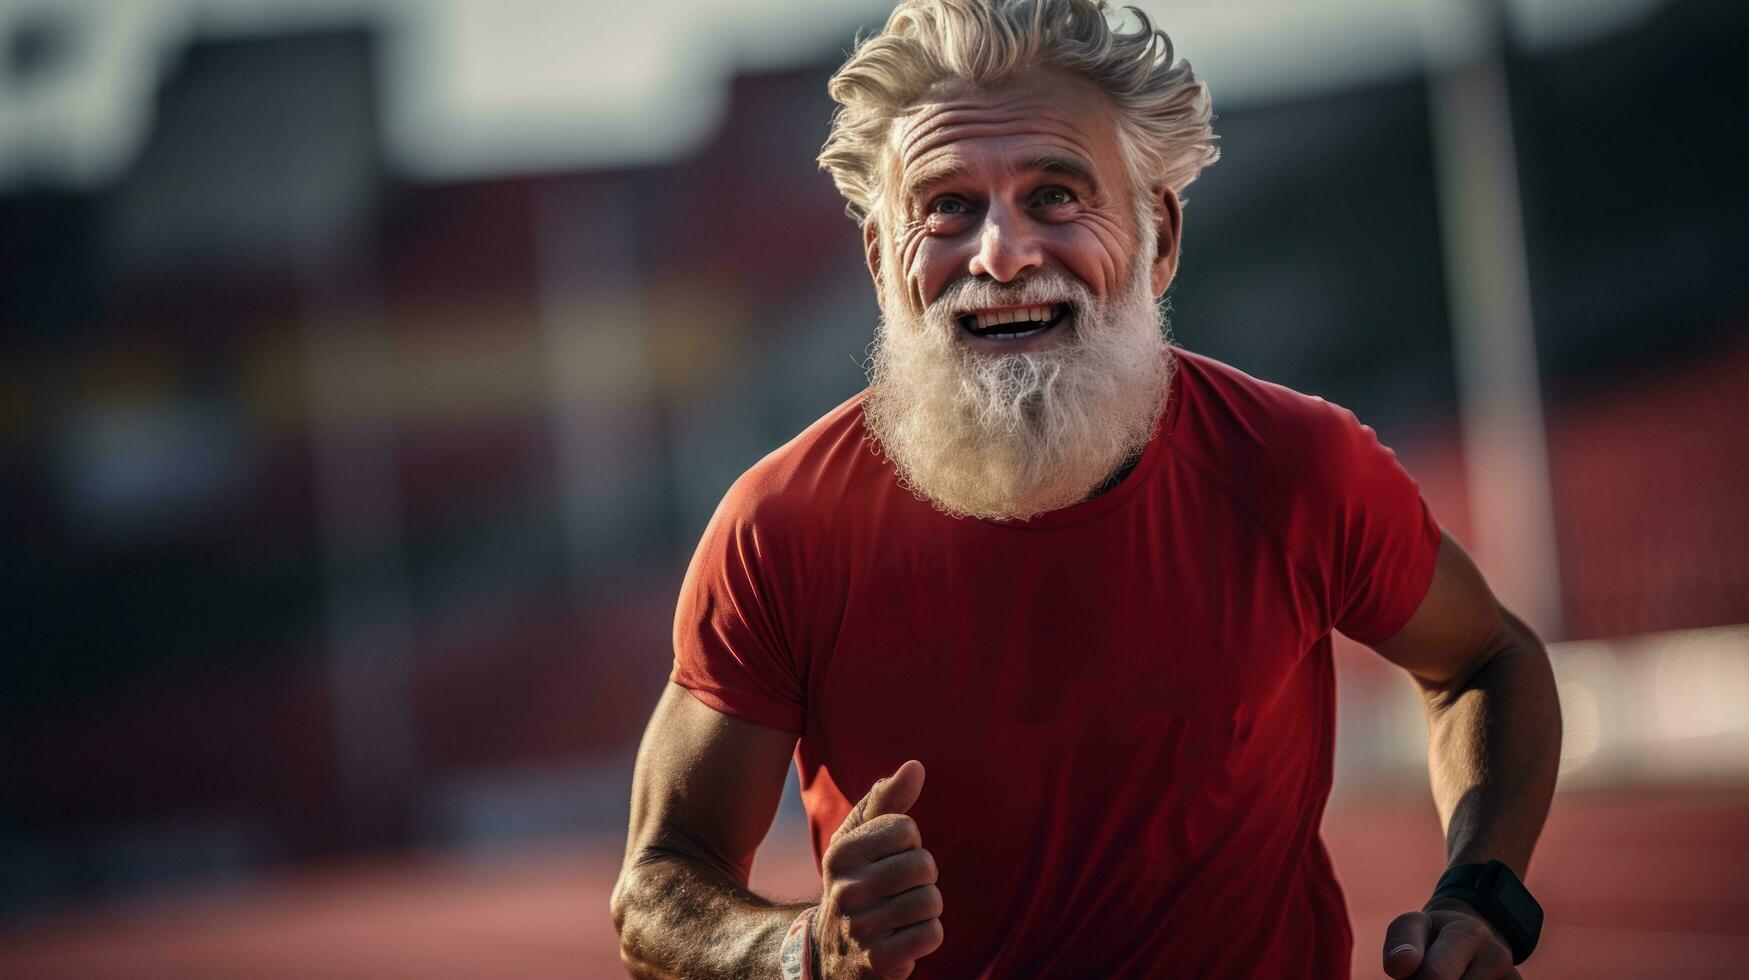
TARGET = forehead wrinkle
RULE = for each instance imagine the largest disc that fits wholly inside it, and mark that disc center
(920, 139)
(921, 118)
(1052, 104)
(1062, 143)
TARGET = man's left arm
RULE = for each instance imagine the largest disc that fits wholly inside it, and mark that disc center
(1494, 728)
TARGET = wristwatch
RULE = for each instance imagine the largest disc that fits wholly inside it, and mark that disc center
(1493, 890)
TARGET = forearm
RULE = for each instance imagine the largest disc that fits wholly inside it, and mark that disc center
(679, 917)
(1494, 751)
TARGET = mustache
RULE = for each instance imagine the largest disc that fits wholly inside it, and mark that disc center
(974, 292)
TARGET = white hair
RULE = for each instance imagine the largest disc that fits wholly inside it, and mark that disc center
(1163, 109)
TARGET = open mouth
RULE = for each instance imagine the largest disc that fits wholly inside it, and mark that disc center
(1014, 323)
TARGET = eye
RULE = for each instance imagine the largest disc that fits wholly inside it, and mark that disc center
(949, 206)
(1052, 197)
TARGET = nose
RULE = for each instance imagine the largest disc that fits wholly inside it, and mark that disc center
(1008, 246)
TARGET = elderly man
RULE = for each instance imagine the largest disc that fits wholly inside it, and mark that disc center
(1087, 578)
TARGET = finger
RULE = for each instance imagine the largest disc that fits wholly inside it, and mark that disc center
(883, 836)
(883, 879)
(905, 946)
(894, 794)
(1452, 950)
(1490, 962)
(907, 908)
(1405, 942)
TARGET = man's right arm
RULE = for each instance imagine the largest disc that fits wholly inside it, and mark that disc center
(704, 793)
(705, 790)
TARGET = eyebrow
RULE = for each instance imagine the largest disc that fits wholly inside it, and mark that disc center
(1049, 163)
(932, 176)
(1052, 163)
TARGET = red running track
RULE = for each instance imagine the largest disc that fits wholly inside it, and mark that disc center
(1636, 888)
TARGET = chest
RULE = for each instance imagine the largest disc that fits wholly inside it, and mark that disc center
(1117, 625)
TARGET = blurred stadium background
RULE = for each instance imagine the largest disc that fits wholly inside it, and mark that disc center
(370, 367)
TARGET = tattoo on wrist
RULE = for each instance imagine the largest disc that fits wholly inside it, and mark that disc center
(796, 957)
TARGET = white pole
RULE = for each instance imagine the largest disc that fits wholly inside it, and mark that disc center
(1505, 452)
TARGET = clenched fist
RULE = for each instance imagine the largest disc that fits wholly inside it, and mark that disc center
(1447, 941)
(881, 911)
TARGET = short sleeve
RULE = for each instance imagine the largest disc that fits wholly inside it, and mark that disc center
(1385, 540)
(730, 647)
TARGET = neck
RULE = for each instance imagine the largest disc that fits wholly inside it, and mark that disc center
(1111, 482)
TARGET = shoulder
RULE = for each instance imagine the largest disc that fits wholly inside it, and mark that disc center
(798, 487)
(743, 625)
(1299, 465)
(1249, 427)
(1319, 483)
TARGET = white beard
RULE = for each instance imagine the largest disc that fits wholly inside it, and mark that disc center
(1011, 436)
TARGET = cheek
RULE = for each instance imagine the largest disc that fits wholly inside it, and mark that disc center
(929, 264)
(1094, 249)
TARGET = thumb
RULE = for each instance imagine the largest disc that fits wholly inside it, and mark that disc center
(1406, 943)
(894, 794)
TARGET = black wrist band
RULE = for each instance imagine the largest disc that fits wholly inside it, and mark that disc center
(1497, 894)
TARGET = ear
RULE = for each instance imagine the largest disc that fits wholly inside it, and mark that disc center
(871, 250)
(1170, 222)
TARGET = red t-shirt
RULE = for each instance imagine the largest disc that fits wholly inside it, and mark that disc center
(1125, 707)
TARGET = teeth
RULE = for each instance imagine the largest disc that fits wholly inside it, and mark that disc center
(1032, 314)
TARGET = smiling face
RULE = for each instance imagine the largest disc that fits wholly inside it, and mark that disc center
(1021, 358)
(997, 185)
